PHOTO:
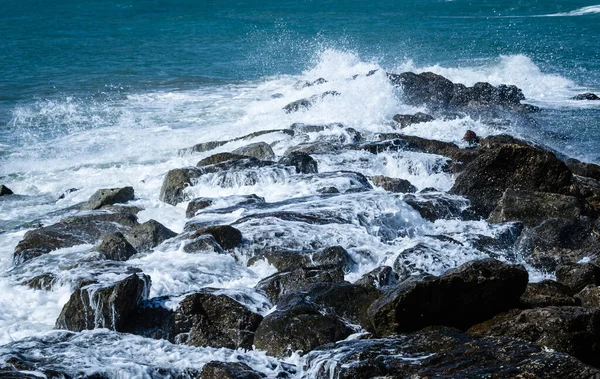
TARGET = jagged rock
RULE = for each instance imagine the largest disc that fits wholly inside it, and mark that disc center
(109, 196)
(518, 167)
(380, 277)
(226, 236)
(334, 256)
(531, 208)
(146, 236)
(41, 282)
(208, 319)
(570, 330)
(115, 247)
(301, 278)
(175, 182)
(205, 146)
(201, 244)
(442, 353)
(434, 206)
(303, 162)
(4, 190)
(588, 170)
(103, 306)
(229, 370)
(71, 231)
(576, 276)
(559, 240)
(586, 96)
(304, 83)
(307, 103)
(298, 325)
(66, 192)
(461, 297)
(547, 293)
(409, 119)
(259, 150)
(395, 185)
(589, 296)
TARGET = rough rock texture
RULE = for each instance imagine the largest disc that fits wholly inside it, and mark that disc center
(576, 276)
(115, 247)
(409, 119)
(301, 278)
(72, 231)
(151, 319)
(260, 150)
(380, 277)
(442, 353)
(531, 208)
(283, 260)
(208, 319)
(175, 182)
(41, 282)
(518, 167)
(198, 204)
(435, 206)
(589, 170)
(570, 330)
(109, 196)
(586, 96)
(547, 293)
(334, 256)
(303, 162)
(98, 306)
(589, 296)
(303, 104)
(226, 236)
(298, 325)
(461, 297)
(4, 190)
(229, 370)
(393, 184)
(202, 244)
(144, 237)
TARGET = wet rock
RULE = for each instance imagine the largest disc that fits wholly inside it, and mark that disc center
(471, 138)
(146, 236)
(202, 244)
(4, 190)
(589, 296)
(304, 163)
(283, 260)
(559, 240)
(576, 276)
(205, 146)
(71, 231)
(41, 282)
(226, 236)
(259, 150)
(531, 208)
(409, 119)
(395, 185)
(197, 204)
(517, 167)
(303, 104)
(209, 319)
(433, 206)
(299, 127)
(229, 370)
(152, 319)
(588, 170)
(304, 83)
(103, 306)
(319, 147)
(380, 277)
(175, 182)
(461, 297)
(328, 190)
(404, 266)
(442, 353)
(298, 279)
(66, 192)
(204, 202)
(109, 196)
(586, 96)
(298, 325)
(570, 330)
(547, 293)
(316, 218)
(115, 247)
(334, 256)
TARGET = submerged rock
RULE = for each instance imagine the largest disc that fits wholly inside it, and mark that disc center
(409, 119)
(95, 306)
(108, 196)
(260, 150)
(146, 236)
(4, 190)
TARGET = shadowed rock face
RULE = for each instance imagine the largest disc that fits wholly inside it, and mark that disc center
(4, 190)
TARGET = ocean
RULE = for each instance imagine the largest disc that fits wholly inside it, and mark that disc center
(103, 94)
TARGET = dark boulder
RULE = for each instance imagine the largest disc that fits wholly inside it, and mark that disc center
(152, 319)
(576, 276)
(204, 146)
(461, 297)
(380, 277)
(442, 353)
(229, 370)
(204, 202)
(437, 206)
(304, 104)
(109, 196)
(298, 279)
(518, 167)
(208, 319)
(532, 208)
(570, 330)
(4, 190)
(409, 119)
(334, 256)
(220, 158)
(471, 138)
(175, 182)
(146, 236)
(586, 96)
(116, 247)
(304, 163)
(259, 150)
(226, 236)
(298, 325)
(589, 296)
(198, 204)
(283, 260)
(547, 293)
(588, 170)
(202, 244)
(104, 306)
(395, 185)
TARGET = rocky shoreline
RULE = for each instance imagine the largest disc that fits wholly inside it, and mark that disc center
(481, 319)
